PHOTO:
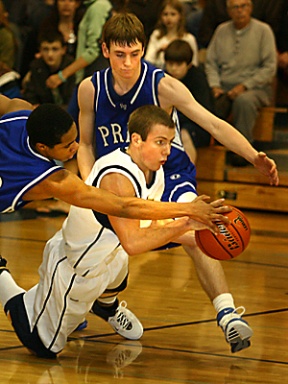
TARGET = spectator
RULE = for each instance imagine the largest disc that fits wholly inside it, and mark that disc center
(240, 66)
(52, 60)
(88, 53)
(36, 11)
(170, 26)
(88, 49)
(7, 41)
(178, 58)
(215, 13)
(65, 17)
(194, 17)
(147, 11)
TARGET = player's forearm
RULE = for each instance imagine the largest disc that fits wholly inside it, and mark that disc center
(137, 242)
(85, 160)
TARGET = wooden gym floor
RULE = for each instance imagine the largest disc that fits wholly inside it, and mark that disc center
(181, 342)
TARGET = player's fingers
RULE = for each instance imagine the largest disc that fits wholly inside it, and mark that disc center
(217, 203)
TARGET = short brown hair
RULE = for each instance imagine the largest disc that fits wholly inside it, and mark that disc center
(179, 51)
(123, 29)
(144, 118)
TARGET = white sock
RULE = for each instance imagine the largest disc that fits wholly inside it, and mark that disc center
(8, 287)
(225, 300)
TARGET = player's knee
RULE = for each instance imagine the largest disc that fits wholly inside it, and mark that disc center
(120, 287)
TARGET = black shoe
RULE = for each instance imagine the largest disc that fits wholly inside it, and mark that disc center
(3, 263)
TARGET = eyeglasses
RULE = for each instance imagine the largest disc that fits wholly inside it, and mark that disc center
(241, 6)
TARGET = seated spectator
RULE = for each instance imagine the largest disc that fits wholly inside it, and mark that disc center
(170, 26)
(194, 17)
(178, 58)
(89, 56)
(65, 17)
(35, 13)
(240, 66)
(215, 13)
(53, 58)
(7, 40)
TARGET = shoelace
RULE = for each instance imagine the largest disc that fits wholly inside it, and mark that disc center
(226, 318)
(121, 318)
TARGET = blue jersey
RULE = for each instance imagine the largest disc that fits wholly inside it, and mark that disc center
(21, 168)
(112, 112)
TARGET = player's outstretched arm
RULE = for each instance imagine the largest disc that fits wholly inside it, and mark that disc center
(70, 188)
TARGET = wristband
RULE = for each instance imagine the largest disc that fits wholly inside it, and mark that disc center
(61, 77)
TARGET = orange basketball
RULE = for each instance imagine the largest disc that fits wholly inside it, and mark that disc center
(230, 242)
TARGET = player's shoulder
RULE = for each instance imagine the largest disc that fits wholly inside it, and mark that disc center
(13, 115)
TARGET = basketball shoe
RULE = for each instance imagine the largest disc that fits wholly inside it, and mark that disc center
(121, 319)
(236, 330)
(82, 326)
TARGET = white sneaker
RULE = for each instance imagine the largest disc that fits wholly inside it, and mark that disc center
(125, 323)
(236, 330)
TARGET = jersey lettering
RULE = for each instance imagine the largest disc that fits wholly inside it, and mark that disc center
(116, 132)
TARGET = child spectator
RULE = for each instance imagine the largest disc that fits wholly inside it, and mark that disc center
(171, 26)
(178, 58)
(52, 60)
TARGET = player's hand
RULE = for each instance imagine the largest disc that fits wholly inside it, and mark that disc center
(267, 167)
(207, 213)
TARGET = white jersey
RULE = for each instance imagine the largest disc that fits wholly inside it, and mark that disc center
(83, 259)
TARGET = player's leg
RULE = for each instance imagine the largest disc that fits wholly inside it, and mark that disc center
(107, 306)
(210, 272)
(246, 108)
(12, 299)
(213, 281)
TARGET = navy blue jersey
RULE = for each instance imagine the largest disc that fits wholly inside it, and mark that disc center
(113, 111)
(21, 168)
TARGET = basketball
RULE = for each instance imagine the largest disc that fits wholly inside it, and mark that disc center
(230, 242)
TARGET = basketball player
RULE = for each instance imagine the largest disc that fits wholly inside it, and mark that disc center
(84, 261)
(30, 142)
(106, 101)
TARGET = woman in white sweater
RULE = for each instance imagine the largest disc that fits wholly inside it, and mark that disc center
(170, 26)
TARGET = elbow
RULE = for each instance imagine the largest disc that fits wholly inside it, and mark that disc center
(131, 249)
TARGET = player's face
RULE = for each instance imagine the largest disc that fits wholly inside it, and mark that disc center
(67, 148)
(125, 60)
(177, 70)
(156, 148)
